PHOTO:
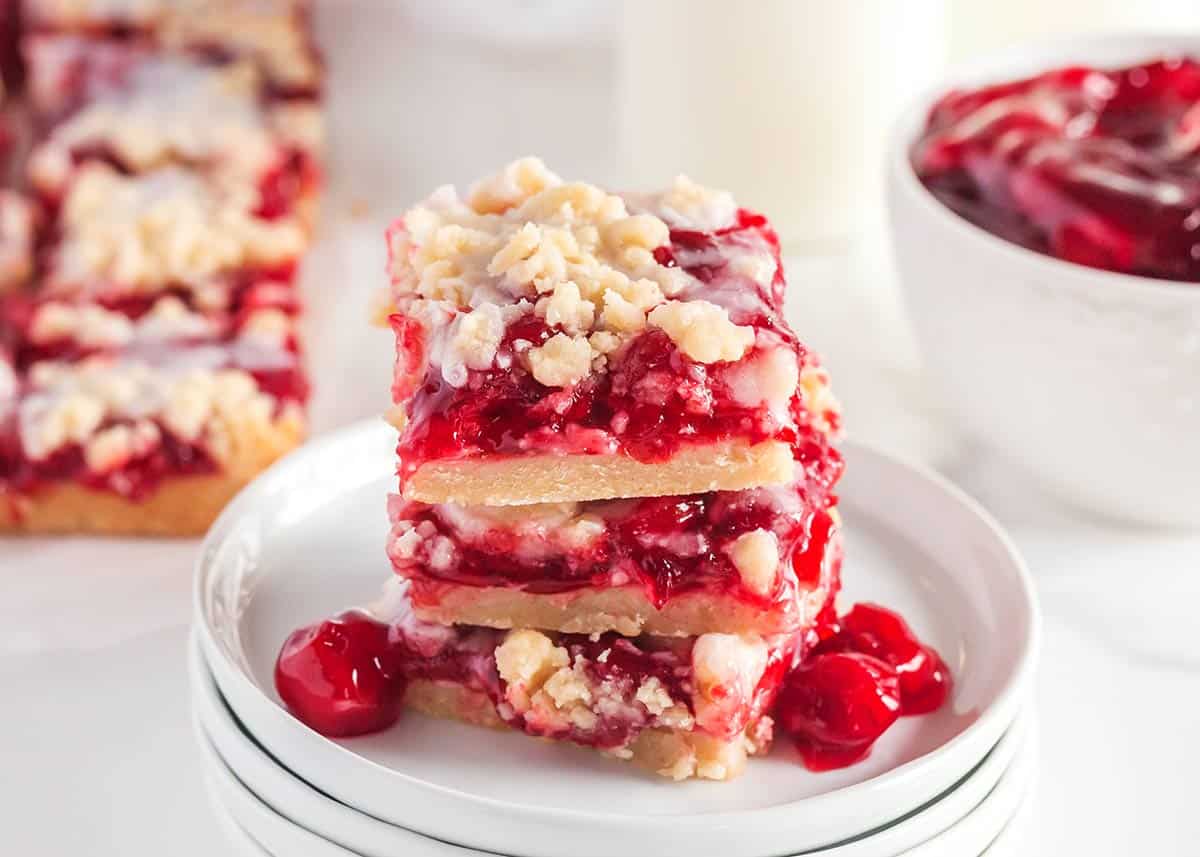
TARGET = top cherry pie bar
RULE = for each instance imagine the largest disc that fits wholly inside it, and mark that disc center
(558, 342)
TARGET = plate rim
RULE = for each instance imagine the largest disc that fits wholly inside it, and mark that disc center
(233, 677)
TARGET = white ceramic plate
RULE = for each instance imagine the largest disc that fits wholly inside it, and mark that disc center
(978, 832)
(306, 540)
(303, 805)
(266, 829)
(257, 830)
(242, 842)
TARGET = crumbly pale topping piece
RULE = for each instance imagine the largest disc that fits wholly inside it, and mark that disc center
(17, 223)
(817, 395)
(756, 557)
(572, 253)
(71, 403)
(553, 693)
(168, 226)
(727, 669)
(172, 108)
(688, 205)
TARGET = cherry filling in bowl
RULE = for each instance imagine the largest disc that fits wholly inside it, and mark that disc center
(767, 546)
(1093, 166)
(651, 399)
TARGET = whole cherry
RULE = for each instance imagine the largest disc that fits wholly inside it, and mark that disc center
(836, 705)
(338, 678)
(873, 630)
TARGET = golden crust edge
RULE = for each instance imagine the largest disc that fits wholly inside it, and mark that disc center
(522, 480)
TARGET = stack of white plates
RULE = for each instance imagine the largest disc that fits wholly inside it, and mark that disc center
(306, 540)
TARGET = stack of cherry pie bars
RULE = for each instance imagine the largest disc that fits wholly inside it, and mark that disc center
(616, 520)
(162, 162)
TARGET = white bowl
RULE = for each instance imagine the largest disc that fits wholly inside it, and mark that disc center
(1090, 378)
(306, 539)
(297, 801)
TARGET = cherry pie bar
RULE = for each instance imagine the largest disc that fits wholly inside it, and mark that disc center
(682, 707)
(148, 311)
(617, 524)
(556, 342)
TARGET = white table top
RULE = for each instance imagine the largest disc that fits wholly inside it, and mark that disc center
(94, 725)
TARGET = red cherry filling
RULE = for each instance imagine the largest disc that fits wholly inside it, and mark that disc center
(1100, 168)
(863, 671)
(873, 630)
(340, 677)
(836, 705)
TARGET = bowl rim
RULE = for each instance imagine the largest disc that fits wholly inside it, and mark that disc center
(1036, 55)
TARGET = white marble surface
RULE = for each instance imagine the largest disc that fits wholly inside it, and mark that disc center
(95, 750)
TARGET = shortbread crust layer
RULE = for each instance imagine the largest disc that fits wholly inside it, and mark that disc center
(554, 478)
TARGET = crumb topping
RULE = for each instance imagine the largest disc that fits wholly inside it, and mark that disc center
(74, 403)
(703, 331)
(573, 253)
(168, 226)
(556, 693)
(689, 205)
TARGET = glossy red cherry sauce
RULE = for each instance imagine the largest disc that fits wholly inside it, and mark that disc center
(867, 670)
(651, 400)
(1097, 167)
(347, 675)
(665, 546)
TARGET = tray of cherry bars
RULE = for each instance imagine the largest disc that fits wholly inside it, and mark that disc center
(162, 164)
(608, 513)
